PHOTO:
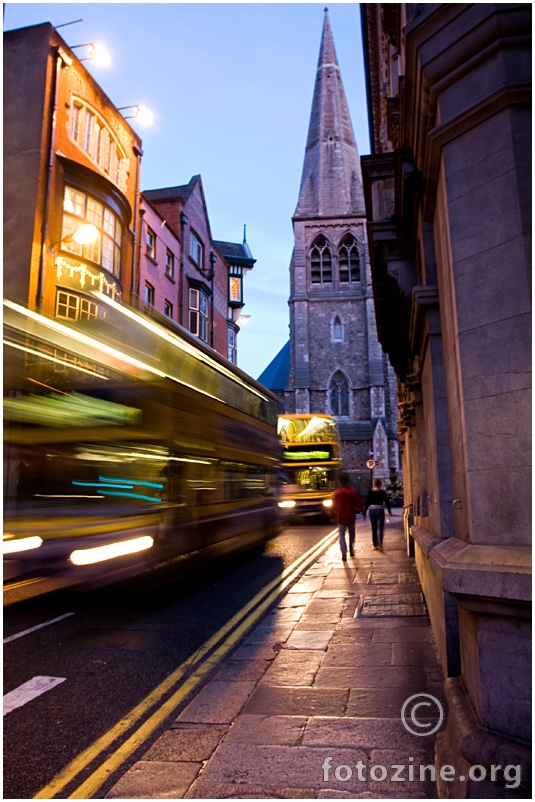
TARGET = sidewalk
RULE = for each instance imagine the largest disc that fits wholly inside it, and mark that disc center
(324, 675)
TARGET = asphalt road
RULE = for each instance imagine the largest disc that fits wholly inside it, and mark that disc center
(109, 649)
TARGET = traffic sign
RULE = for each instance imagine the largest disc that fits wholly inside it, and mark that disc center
(371, 463)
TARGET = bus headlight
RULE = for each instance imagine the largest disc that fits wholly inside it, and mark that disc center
(327, 502)
(287, 504)
(102, 553)
(21, 544)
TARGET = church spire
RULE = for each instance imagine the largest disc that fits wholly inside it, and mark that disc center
(331, 184)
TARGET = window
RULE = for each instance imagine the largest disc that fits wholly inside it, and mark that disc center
(105, 250)
(232, 351)
(151, 244)
(70, 306)
(91, 134)
(148, 296)
(321, 262)
(198, 314)
(348, 260)
(195, 249)
(168, 309)
(339, 393)
(169, 264)
(338, 331)
(235, 287)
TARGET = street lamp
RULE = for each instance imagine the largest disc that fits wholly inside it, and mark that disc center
(98, 54)
(140, 113)
(83, 235)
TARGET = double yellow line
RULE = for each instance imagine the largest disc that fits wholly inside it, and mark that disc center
(203, 660)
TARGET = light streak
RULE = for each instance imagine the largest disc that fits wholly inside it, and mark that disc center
(22, 544)
(112, 550)
(178, 343)
(54, 359)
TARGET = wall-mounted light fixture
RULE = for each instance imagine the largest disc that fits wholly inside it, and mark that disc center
(243, 320)
(140, 113)
(98, 54)
(82, 236)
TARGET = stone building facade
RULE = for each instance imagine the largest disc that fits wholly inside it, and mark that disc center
(337, 365)
(448, 202)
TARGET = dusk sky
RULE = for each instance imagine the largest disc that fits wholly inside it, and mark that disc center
(230, 87)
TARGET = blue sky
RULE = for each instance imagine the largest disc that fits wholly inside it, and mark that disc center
(230, 86)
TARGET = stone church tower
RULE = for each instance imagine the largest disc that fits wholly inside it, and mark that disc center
(336, 364)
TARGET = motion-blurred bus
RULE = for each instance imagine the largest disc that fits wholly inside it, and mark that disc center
(129, 445)
(310, 463)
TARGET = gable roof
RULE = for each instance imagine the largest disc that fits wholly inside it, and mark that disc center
(181, 192)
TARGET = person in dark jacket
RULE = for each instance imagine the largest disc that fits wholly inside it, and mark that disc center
(346, 503)
(376, 501)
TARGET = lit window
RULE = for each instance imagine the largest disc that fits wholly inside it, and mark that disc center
(70, 306)
(169, 264)
(321, 262)
(168, 309)
(105, 250)
(232, 351)
(149, 294)
(348, 260)
(235, 287)
(195, 249)
(151, 243)
(339, 394)
(198, 314)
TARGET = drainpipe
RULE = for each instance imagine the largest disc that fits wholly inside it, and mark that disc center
(138, 229)
(211, 274)
(183, 223)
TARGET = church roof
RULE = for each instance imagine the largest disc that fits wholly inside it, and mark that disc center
(331, 183)
(274, 377)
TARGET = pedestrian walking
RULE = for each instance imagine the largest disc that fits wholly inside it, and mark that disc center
(346, 503)
(376, 501)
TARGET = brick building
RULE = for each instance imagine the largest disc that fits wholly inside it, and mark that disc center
(70, 160)
(334, 363)
(209, 276)
(448, 200)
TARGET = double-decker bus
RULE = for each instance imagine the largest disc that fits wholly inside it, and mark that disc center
(310, 462)
(127, 446)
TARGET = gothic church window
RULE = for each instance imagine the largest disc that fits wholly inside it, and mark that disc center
(339, 393)
(338, 331)
(348, 260)
(321, 262)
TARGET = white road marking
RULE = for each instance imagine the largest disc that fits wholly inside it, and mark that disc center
(28, 691)
(33, 629)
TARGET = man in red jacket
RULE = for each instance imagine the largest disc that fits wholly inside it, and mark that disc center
(346, 503)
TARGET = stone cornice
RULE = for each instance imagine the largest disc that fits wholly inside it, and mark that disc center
(476, 570)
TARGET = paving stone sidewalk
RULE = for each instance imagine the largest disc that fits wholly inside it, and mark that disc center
(324, 675)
